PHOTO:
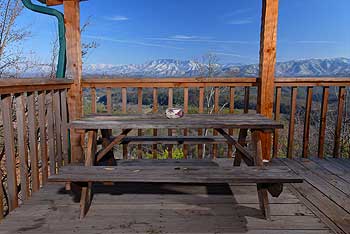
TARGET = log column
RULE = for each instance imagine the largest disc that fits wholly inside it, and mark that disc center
(268, 37)
(74, 71)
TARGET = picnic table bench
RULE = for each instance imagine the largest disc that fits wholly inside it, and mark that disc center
(268, 179)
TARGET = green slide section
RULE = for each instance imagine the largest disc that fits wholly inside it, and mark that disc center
(61, 65)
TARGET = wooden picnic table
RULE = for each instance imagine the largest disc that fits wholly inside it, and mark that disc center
(254, 122)
(267, 180)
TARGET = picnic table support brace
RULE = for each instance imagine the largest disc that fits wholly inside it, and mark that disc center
(86, 191)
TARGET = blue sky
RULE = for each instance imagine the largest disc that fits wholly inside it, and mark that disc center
(135, 31)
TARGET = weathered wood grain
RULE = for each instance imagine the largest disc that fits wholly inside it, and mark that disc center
(293, 103)
(58, 127)
(33, 142)
(43, 136)
(172, 174)
(9, 142)
(51, 133)
(244, 121)
(323, 119)
(268, 38)
(306, 134)
(338, 127)
(277, 118)
(64, 129)
(74, 72)
(22, 145)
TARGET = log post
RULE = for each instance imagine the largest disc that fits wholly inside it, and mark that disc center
(74, 71)
(268, 37)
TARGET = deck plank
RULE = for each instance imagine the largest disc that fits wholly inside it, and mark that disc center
(124, 208)
(317, 206)
(321, 192)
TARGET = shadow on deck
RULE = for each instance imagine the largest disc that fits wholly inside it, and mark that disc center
(320, 205)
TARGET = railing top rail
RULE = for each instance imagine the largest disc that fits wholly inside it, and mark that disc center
(12, 85)
(312, 81)
(215, 81)
(169, 82)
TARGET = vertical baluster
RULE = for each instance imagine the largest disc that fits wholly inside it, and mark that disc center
(43, 136)
(33, 142)
(341, 101)
(155, 110)
(64, 128)
(324, 107)
(232, 110)
(185, 147)
(109, 100)
(277, 118)
(292, 122)
(200, 111)
(22, 144)
(306, 134)
(124, 100)
(139, 110)
(93, 100)
(6, 109)
(58, 127)
(216, 110)
(170, 131)
(51, 133)
(124, 110)
(246, 99)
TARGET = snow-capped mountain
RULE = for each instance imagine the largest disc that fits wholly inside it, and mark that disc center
(188, 68)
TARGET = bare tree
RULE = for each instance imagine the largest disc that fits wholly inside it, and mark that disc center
(11, 56)
(86, 48)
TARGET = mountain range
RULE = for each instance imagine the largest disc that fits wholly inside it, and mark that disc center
(339, 67)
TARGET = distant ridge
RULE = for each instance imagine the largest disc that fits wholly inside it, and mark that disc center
(339, 67)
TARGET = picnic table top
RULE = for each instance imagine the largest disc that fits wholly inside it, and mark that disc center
(146, 121)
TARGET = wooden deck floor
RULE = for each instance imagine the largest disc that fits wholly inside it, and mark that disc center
(319, 205)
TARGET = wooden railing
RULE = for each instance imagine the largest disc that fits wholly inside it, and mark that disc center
(210, 91)
(336, 128)
(33, 137)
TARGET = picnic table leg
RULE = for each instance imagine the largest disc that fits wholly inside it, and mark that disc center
(86, 191)
(242, 139)
(106, 140)
(262, 188)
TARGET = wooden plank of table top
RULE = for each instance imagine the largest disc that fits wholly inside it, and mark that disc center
(245, 121)
(169, 174)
